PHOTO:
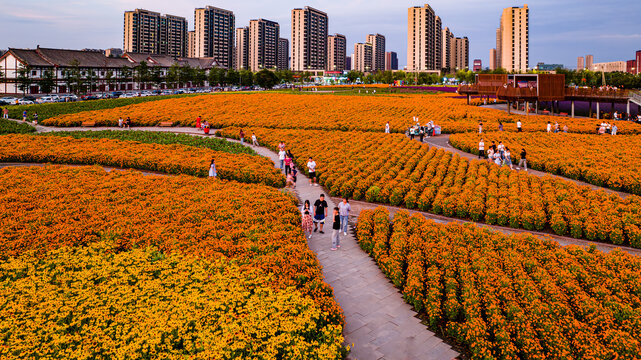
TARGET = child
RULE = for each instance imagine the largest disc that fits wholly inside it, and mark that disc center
(336, 230)
(290, 181)
(35, 118)
(307, 224)
(294, 173)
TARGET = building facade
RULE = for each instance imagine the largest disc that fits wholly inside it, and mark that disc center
(513, 47)
(446, 48)
(241, 50)
(283, 54)
(152, 33)
(214, 33)
(438, 43)
(493, 59)
(638, 58)
(363, 57)
(378, 51)
(96, 72)
(461, 52)
(391, 60)
(309, 39)
(612, 66)
(263, 44)
(348, 62)
(478, 65)
(589, 62)
(548, 67)
(336, 52)
(421, 23)
(580, 63)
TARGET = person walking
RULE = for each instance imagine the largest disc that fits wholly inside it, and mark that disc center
(35, 119)
(307, 224)
(614, 129)
(128, 123)
(481, 149)
(306, 207)
(387, 128)
(500, 126)
(508, 158)
(242, 137)
(281, 146)
(421, 133)
(336, 230)
(24, 115)
(5, 113)
(282, 154)
(480, 128)
(254, 140)
(523, 161)
(320, 213)
(490, 154)
(519, 126)
(288, 163)
(549, 127)
(311, 169)
(343, 210)
(212, 169)
(121, 122)
(198, 123)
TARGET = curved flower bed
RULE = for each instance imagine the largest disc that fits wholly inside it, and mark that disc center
(258, 227)
(391, 169)
(602, 160)
(510, 297)
(81, 301)
(323, 112)
(170, 159)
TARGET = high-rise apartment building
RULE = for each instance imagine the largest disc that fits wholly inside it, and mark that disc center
(421, 23)
(638, 68)
(241, 50)
(283, 54)
(150, 32)
(493, 59)
(191, 44)
(336, 52)
(214, 29)
(446, 48)
(438, 43)
(580, 63)
(498, 48)
(589, 62)
(263, 44)
(513, 47)
(378, 51)
(362, 57)
(348, 62)
(391, 60)
(309, 39)
(478, 65)
(173, 36)
(461, 52)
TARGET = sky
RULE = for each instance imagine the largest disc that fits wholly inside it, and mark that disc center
(560, 30)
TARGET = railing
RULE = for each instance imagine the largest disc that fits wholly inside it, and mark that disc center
(597, 93)
(464, 89)
(635, 97)
(511, 93)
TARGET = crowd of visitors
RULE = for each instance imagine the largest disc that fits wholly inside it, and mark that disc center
(606, 128)
(501, 155)
(421, 132)
(202, 125)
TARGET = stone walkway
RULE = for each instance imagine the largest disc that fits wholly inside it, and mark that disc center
(379, 324)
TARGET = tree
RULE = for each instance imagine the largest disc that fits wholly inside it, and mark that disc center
(47, 82)
(266, 79)
(91, 79)
(187, 74)
(173, 75)
(231, 77)
(24, 79)
(285, 76)
(199, 77)
(109, 79)
(246, 78)
(354, 75)
(142, 74)
(155, 76)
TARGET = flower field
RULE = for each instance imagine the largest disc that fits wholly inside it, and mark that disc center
(323, 112)
(603, 160)
(170, 159)
(510, 297)
(391, 169)
(165, 138)
(133, 265)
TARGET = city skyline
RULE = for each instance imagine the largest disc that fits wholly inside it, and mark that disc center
(557, 35)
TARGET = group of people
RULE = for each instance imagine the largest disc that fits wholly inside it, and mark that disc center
(625, 116)
(124, 123)
(314, 219)
(286, 159)
(422, 131)
(25, 116)
(202, 125)
(606, 128)
(501, 156)
(556, 128)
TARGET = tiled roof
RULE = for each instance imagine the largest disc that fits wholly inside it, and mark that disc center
(29, 56)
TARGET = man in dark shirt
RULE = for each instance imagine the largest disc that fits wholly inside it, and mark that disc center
(523, 161)
(336, 239)
(320, 213)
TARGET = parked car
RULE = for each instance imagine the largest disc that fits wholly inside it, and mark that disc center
(25, 101)
(10, 100)
(45, 99)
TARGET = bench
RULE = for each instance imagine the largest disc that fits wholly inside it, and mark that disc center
(166, 123)
(88, 123)
(563, 114)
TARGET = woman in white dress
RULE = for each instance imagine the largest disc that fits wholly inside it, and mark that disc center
(212, 169)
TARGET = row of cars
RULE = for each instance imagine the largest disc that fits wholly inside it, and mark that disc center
(28, 100)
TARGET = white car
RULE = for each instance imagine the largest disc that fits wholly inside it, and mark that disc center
(9, 100)
(25, 102)
(46, 99)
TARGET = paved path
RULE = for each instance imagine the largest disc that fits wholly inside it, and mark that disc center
(443, 142)
(379, 324)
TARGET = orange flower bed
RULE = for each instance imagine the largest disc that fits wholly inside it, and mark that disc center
(322, 112)
(510, 297)
(170, 159)
(258, 226)
(602, 160)
(391, 169)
